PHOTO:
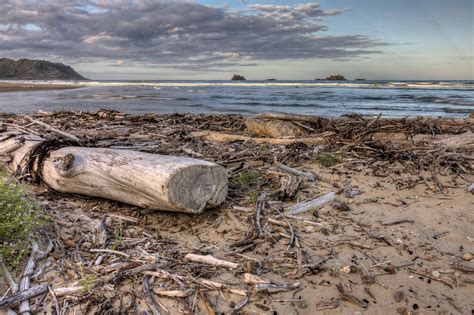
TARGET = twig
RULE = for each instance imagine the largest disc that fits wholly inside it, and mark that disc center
(149, 298)
(260, 207)
(62, 133)
(210, 260)
(398, 221)
(56, 303)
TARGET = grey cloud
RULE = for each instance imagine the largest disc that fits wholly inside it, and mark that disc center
(182, 34)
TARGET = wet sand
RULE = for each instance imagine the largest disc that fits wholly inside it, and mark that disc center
(14, 87)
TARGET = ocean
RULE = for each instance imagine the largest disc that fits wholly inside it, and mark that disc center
(323, 98)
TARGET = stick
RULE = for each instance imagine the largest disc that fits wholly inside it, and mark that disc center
(220, 286)
(210, 260)
(260, 207)
(293, 171)
(25, 277)
(149, 298)
(399, 221)
(253, 279)
(62, 133)
(23, 296)
(109, 251)
(7, 275)
(312, 204)
(56, 303)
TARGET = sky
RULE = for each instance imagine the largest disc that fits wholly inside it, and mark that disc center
(260, 39)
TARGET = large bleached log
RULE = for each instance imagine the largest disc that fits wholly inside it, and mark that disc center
(451, 141)
(146, 180)
(227, 137)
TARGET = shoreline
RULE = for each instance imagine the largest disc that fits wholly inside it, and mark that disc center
(18, 87)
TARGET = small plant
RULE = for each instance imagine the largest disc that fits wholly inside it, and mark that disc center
(248, 178)
(18, 218)
(252, 197)
(88, 282)
(327, 159)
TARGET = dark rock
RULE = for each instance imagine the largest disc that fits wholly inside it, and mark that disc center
(238, 77)
(271, 79)
(336, 77)
(360, 79)
(26, 69)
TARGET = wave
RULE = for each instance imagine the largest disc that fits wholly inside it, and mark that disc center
(456, 85)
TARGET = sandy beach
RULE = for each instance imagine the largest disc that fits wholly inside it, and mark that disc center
(398, 238)
(14, 87)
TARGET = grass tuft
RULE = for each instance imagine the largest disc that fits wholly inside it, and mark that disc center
(327, 159)
(18, 218)
(248, 178)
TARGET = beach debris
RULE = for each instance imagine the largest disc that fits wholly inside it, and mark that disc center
(397, 221)
(327, 305)
(470, 188)
(227, 137)
(346, 296)
(210, 260)
(311, 204)
(275, 128)
(440, 234)
(341, 206)
(294, 171)
(254, 279)
(467, 257)
(351, 192)
(275, 288)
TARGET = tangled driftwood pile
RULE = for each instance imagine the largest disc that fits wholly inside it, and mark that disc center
(105, 257)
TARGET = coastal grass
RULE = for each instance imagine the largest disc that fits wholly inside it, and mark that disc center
(327, 159)
(19, 216)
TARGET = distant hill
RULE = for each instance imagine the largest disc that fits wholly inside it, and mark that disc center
(26, 69)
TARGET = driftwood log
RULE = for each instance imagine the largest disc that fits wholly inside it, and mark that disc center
(146, 180)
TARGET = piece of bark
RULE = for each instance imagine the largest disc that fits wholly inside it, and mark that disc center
(253, 279)
(226, 137)
(174, 293)
(312, 204)
(210, 260)
(274, 128)
(146, 180)
(221, 286)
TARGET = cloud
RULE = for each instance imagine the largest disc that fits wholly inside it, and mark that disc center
(177, 34)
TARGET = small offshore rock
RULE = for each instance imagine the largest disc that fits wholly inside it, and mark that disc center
(398, 296)
(467, 257)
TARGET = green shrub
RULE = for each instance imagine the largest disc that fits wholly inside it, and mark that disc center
(248, 178)
(327, 159)
(18, 218)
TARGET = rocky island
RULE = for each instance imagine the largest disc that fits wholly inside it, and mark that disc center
(238, 77)
(336, 77)
(26, 69)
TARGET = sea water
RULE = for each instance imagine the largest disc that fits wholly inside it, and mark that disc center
(324, 98)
